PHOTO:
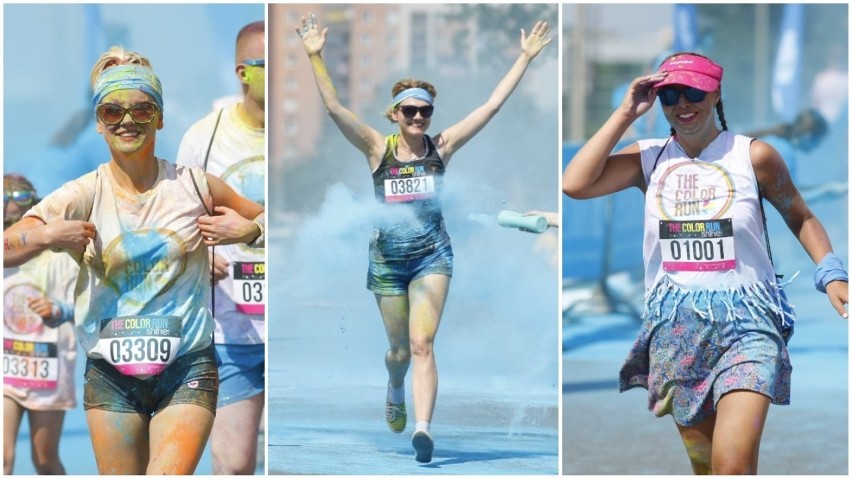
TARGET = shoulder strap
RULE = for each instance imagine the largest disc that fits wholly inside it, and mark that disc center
(213, 135)
(198, 192)
(660, 154)
(92, 206)
(212, 249)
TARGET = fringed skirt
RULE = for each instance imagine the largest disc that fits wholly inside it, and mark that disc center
(695, 346)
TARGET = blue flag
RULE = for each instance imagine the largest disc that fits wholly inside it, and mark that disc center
(787, 74)
(685, 28)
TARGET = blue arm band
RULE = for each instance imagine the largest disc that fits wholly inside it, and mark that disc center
(66, 312)
(828, 270)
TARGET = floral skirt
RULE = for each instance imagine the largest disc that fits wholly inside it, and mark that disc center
(695, 346)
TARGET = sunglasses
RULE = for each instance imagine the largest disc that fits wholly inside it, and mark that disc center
(410, 111)
(669, 96)
(112, 114)
(23, 197)
(255, 62)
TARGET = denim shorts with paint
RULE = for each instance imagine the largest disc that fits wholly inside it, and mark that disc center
(191, 379)
(397, 259)
(241, 373)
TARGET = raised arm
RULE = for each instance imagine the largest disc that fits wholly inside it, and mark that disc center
(454, 137)
(777, 186)
(29, 237)
(236, 219)
(361, 135)
(594, 171)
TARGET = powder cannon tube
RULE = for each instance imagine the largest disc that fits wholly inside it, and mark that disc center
(532, 223)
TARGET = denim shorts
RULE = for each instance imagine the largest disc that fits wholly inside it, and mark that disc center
(191, 379)
(241, 371)
(397, 259)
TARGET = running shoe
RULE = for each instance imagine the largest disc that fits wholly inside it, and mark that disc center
(396, 416)
(423, 446)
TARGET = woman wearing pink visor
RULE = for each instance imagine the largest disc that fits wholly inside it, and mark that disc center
(712, 350)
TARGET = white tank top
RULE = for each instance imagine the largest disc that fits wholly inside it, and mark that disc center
(237, 156)
(703, 224)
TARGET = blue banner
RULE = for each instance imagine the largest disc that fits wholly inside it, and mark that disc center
(685, 28)
(787, 76)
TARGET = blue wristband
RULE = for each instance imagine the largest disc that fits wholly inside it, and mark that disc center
(66, 312)
(828, 270)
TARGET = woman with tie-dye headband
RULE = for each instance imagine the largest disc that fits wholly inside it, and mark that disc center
(712, 350)
(411, 259)
(139, 227)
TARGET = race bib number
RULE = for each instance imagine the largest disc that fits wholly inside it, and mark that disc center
(399, 190)
(697, 245)
(140, 345)
(31, 365)
(250, 287)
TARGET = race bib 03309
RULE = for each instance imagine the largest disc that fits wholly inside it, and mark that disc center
(140, 345)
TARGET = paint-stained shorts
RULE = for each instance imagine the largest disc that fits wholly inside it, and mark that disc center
(397, 260)
(191, 379)
(241, 374)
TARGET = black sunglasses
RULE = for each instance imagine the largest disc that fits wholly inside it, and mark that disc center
(669, 95)
(112, 114)
(23, 197)
(409, 111)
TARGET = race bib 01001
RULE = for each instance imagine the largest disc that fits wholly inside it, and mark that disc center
(29, 364)
(706, 245)
(250, 287)
(140, 345)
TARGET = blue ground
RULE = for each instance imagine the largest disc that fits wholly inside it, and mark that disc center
(497, 352)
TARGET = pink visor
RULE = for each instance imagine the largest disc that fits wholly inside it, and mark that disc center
(691, 70)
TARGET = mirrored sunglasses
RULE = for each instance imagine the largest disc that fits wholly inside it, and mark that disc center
(112, 114)
(255, 62)
(23, 197)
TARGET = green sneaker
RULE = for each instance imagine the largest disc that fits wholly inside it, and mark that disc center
(396, 416)
(423, 446)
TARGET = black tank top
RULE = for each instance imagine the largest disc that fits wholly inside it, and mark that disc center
(417, 183)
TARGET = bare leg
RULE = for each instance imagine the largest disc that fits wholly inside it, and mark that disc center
(178, 436)
(394, 310)
(740, 417)
(233, 441)
(12, 415)
(729, 441)
(698, 441)
(427, 296)
(120, 441)
(46, 429)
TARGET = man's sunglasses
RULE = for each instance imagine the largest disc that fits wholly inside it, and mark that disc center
(23, 197)
(112, 114)
(409, 111)
(669, 95)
